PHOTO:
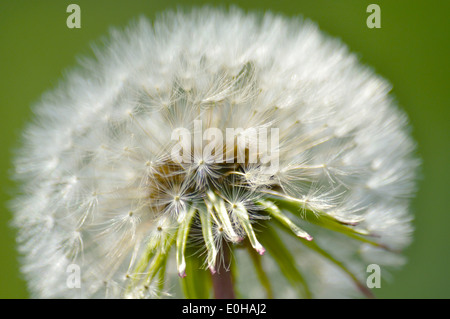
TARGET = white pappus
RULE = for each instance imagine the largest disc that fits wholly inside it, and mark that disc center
(100, 189)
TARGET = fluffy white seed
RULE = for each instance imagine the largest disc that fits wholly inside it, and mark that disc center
(96, 188)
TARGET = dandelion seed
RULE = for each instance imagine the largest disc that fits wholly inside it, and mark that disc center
(100, 187)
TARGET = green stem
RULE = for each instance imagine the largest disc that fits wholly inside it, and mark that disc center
(262, 276)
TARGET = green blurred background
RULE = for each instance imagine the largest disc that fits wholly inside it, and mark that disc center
(411, 50)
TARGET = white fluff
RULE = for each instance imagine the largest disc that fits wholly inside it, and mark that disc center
(97, 140)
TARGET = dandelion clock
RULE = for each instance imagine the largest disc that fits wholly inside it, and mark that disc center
(214, 154)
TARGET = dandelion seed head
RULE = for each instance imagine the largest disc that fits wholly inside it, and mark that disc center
(101, 189)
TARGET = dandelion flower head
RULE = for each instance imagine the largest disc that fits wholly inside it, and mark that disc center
(104, 186)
